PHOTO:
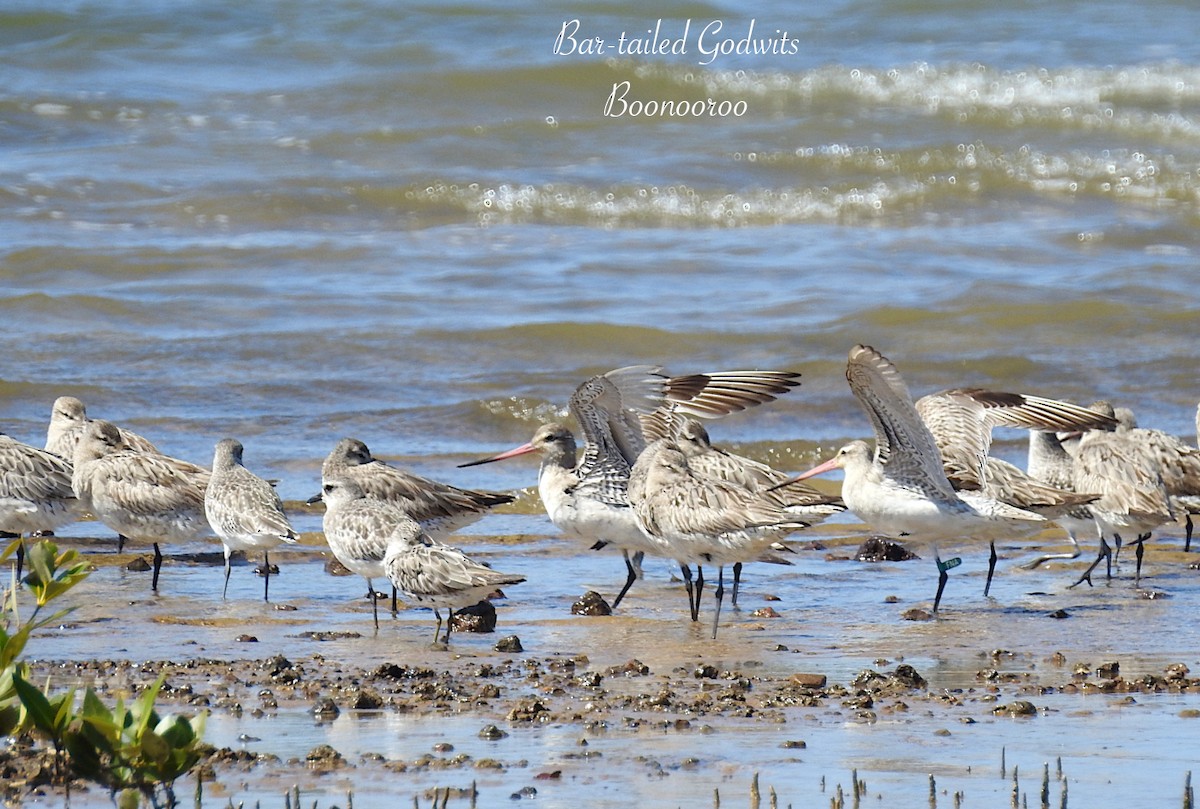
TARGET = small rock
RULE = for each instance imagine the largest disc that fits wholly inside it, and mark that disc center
(794, 744)
(1108, 670)
(523, 793)
(479, 618)
(367, 700)
(706, 672)
(907, 676)
(591, 603)
(1189, 713)
(548, 776)
(324, 757)
(917, 614)
(772, 598)
(510, 645)
(492, 733)
(246, 639)
(882, 549)
(443, 747)
(1176, 671)
(941, 732)
(891, 599)
(1060, 614)
(286, 607)
(1021, 707)
(138, 565)
(325, 708)
(632, 668)
(764, 612)
(528, 710)
(809, 680)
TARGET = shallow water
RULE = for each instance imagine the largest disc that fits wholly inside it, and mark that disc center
(833, 620)
(291, 222)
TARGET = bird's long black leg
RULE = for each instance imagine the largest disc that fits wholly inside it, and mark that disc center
(943, 576)
(20, 556)
(630, 578)
(1105, 552)
(693, 609)
(266, 577)
(991, 569)
(1187, 538)
(449, 623)
(157, 567)
(720, 594)
(1141, 552)
(374, 604)
(395, 603)
(228, 569)
(737, 581)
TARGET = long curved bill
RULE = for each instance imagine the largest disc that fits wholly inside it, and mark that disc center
(512, 453)
(820, 469)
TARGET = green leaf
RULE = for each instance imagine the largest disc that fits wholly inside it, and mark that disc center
(155, 747)
(10, 717)
(144, 707)
(84, 755)
(10, 549)
(37, 707)
(64, 710)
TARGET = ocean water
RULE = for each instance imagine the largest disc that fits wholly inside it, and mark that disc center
(290, 222)
(414, 224)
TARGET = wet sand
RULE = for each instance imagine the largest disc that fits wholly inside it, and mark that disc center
(817, 676)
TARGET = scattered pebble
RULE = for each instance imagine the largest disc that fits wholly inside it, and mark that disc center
(591, 603)
(764, 612)
(246, 639)
(1020, 707)
(809, 680)
(1060, 614)
(367, 700)
(492, 733)
(325, 708)
(479, 618)
(916, 614)
(510, 645)
(882, 549)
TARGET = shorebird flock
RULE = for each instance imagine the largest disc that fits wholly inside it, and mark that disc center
(644, 479)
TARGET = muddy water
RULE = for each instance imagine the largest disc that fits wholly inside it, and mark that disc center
(836, 617)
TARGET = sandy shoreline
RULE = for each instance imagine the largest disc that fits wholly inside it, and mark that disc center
(301, 693)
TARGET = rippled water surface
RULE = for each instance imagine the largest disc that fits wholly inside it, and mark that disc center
(413, 224)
